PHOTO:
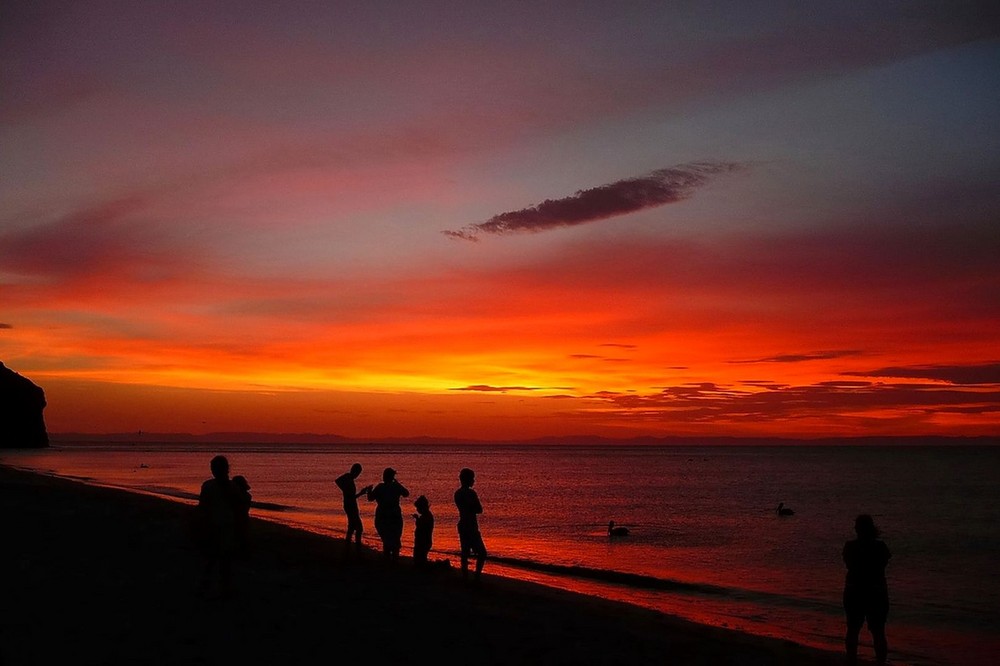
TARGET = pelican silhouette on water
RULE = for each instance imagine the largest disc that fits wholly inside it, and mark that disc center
(616, 531)
(784, 510)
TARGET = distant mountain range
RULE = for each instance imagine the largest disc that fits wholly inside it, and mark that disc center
(571, 440)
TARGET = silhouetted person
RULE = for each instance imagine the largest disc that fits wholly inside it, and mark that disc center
(388, 514)
(469, 508)
(351, 494)
(423, 532)
(866, 594)
(242, 501)
(217, 518)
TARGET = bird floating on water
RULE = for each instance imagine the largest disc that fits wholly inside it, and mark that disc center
(616, 531)
(784, 511)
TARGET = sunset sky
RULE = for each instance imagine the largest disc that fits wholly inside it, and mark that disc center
(503, 220)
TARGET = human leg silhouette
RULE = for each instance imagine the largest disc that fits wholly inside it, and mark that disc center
(854, 625)
(877, 630)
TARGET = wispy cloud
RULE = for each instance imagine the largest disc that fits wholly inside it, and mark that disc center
(2, 325)
(118, 240)
(711, 403)
(485, 388)
(660, 187)
(78, 243)
(799, 358)
(606, 359)
(984, 373)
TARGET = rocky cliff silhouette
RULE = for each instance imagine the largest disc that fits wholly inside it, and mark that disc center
(22, 425)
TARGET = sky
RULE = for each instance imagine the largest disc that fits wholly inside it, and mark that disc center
(492, 220)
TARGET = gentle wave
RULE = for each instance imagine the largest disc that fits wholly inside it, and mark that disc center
(160, 491)
(645, 582)
(183, 494)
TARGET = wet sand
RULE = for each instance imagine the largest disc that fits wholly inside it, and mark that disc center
(102, 576)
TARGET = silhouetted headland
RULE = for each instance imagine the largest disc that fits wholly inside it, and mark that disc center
(22, 424)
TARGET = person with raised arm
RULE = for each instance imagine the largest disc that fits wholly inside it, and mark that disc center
(346, 483)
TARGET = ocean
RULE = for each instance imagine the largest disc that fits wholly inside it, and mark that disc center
(705, 540)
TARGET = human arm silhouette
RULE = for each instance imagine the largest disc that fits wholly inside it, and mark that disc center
(344, 482)
(468, 503)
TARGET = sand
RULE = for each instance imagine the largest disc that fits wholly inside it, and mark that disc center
(102, 576)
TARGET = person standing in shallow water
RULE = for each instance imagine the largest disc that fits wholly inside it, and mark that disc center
(866, 593)
(469, 508)
(388, 514)
(346, 483)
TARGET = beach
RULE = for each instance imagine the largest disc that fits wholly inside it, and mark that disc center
(102, 576)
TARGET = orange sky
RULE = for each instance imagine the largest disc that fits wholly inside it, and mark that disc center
(503, 224)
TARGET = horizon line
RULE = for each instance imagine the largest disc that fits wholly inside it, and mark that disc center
(331, 439)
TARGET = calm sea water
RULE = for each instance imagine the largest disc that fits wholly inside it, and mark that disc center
(705, 540)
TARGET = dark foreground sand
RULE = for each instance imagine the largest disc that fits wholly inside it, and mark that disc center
(100, 576)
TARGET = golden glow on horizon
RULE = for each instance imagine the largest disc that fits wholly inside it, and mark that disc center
(538, 383)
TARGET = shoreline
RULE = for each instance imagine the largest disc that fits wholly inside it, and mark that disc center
(103, 575)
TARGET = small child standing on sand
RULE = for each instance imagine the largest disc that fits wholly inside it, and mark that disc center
(423, 533)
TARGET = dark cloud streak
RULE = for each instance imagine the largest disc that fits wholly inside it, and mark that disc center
(484, 388)
(660, 187)
(985, 373)
(711, 403)
(799, 358)
(487, 388)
